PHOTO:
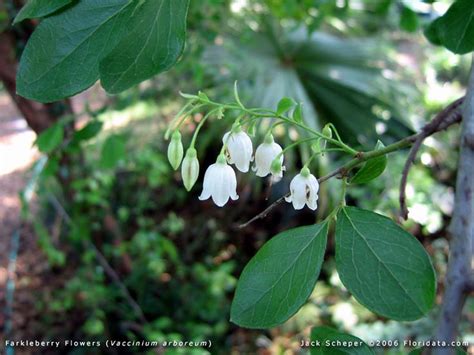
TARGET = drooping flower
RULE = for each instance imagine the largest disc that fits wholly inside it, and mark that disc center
(304, 190)
(239, 148)
(264, 156)
(220, 182)
(175, 150)
(190, 169)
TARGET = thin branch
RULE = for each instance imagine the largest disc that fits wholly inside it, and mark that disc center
(451, 114)
(443, 121)
(116, 279)
(265, 212)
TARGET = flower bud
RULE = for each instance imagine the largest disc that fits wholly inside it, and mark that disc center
(316, 146)
(327, 131)
(175, 150)
(190, 169)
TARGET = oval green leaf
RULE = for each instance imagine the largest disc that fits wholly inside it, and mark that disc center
(409, 20)
(113, 151)
(51, 138)
(383, 266)
(153, 43)
(323, 339)
(89, 131)
(62, 55)
(280, 277)
(284, 105)
(455, 29)
(372, 168)
(40, 8)
(298, 113)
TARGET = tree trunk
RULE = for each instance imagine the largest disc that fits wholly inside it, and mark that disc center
(459, 275)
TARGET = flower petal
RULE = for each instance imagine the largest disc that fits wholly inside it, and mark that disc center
(231, 183)
(298, 191)
(264, 156)
(220, 194)
(208, 184)
(313, 188)
(239, 147)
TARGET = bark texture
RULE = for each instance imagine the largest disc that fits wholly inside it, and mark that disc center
(458, 281)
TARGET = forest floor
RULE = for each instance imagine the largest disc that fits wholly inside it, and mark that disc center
(26, 272)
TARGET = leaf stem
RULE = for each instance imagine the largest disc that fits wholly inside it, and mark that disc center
(198, 128)
(271, 114)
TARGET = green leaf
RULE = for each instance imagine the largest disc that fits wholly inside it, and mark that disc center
(51, 138)
(51, 167)
(298, 113)
(89, 131)
(280, 277)
(40, 8)
(154, 41)
(455, 29)
(62, 56)
(113, 151)
(54, 255)
(431, 32)
(383, 266)
(408, 20)
(284, 105)
(236, 95)
(323, 339)
(372, 168)
(189, 96)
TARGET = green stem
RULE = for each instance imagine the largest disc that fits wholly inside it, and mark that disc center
(288, 147)
(336, 132)
(362, 157)
(198, 128)
(271, 114)
(194, 109)
(178, 115)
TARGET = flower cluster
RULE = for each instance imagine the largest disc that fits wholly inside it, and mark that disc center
(220, 182)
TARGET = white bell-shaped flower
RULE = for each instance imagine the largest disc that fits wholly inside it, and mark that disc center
(304, 190)
(239, 148)
(220, 182)
(264, 156)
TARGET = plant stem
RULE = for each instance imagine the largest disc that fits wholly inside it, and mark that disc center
(362, 157)
(198, 128)
(271, 114)
(359, 158)
(458, 283)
